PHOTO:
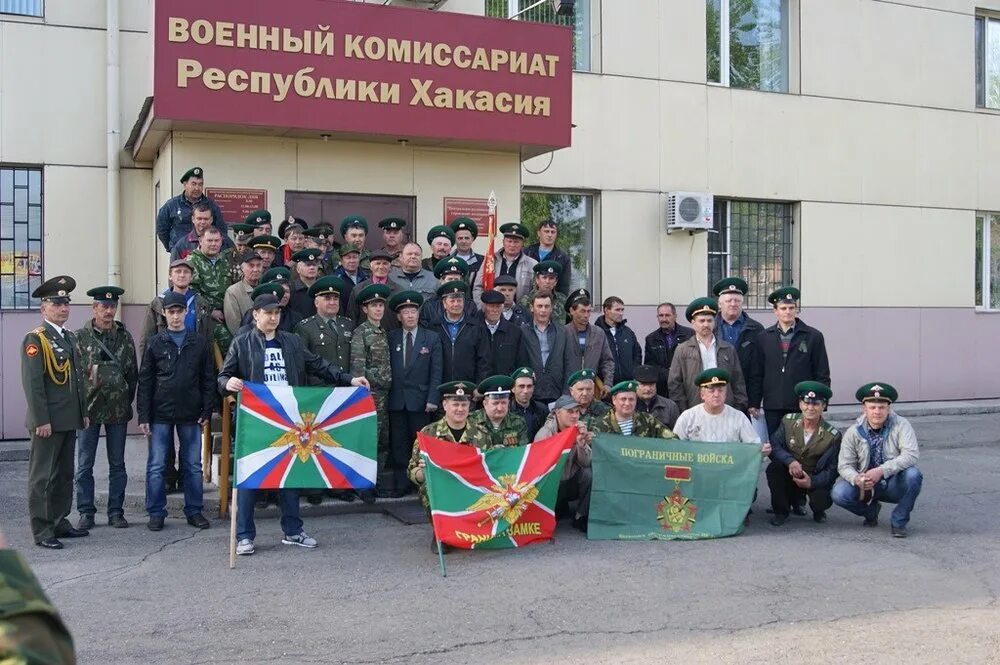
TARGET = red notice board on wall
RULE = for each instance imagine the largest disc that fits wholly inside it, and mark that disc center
(237, 203)
(475, 209)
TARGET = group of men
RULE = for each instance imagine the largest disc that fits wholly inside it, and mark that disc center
(441, 353)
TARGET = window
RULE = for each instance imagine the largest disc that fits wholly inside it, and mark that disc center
(540, 11)
(988, 260)
(752, 240)
(574, 213)
(748, 43)
(987, 62)
(20, 236)
(22, 7)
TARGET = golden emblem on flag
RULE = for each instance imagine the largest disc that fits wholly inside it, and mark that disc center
(506, 500)
(304, 441)
(676, 512)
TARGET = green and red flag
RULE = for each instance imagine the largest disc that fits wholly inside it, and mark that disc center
(305, 438)
(504, 497)
(656, 489)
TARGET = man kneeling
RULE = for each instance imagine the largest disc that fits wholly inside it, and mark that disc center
(804, 451)
(577, 475)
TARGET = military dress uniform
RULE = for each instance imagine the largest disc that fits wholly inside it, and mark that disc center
(53, 387)
(370, 359)
(31, 630)
(330, 339)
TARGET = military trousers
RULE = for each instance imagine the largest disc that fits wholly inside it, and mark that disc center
(381, 397)
(50, 483)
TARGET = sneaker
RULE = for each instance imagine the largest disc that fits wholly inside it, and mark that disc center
(301, 539)
(244, 547)
(86, 522)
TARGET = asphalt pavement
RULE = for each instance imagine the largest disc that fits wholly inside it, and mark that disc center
(372, 592)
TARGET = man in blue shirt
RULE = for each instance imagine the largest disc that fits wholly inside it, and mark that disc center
(173, 221)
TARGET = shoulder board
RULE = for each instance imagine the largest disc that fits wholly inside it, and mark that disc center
(39, 330)
(831, 429)
(792, 416)
(306, 320)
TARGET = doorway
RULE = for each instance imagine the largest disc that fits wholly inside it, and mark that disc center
(331, 208)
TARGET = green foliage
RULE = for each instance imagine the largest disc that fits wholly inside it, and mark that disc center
(573, 215)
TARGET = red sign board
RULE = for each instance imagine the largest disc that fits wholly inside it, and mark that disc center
(359, 68)
(236, 203)
(475, 209)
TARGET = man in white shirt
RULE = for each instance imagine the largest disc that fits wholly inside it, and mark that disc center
(713, 420)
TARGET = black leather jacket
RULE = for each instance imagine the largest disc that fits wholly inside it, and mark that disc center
(245, 360)
(176, 385)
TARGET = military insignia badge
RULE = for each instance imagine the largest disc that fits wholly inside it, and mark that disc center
(676, 512)
(31, 350)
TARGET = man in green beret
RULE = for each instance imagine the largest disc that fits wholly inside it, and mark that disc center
(306, 262)
(108, 364)
(785, 354)
(173, 221)
(466, 231)
(464, 340)
(878, 461)
(380, 263)
(260, 220)
(211, 279)
(546, 278)
(712, 419)
(370, 359)
(705, 350)
(237, 301)
(804, 451)
(448, 269)
(454, 426)
(524, 403)
(623, 419)
(416, 359)
(504, 428)
(582, 387)
(440, 239)
(732, 323)
(393, 237)
(53, 384)
(266, 247)
(510, 260)
(327, 334)
(354, 229)
(242, 233)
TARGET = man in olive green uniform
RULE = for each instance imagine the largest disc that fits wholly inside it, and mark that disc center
(354, 228)
(503, 427)
(211, 278)
(546, 279)
(370, 359)
(111, 374)
(53, 387)
(625, 420)
(393, 237)
(582, 386)
(31, 630)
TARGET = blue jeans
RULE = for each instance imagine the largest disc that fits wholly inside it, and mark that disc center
(189, 438)
(291, 523)
(86, 453)
(902, 489)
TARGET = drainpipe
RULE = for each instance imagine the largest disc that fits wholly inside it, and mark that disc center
(114, 151)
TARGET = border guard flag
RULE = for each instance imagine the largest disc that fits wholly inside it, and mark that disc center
(504, 497)
(305, 438)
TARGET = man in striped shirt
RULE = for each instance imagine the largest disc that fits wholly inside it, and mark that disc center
(624, 420)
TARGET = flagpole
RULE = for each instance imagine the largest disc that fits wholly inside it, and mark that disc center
(232, 532)
(444, 573)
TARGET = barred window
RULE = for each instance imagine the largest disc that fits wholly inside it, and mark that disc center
(20, 236)
(751, 240)
(21, 7)
(542, 12)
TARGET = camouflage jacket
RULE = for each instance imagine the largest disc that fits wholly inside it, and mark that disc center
(513, 431)
(31, 630)
(330, 340)
(594, 412)
(558, 305)
(211, 279)
(643, 425)
(110, 380)
(370, 355)
(473, 435)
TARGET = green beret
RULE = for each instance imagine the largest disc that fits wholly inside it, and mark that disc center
(56, 290)
(451, 265)
(374, 293)
(311, 254)
(813, 391)
(581, 375)
(353, 222)
(786, 294)
(265, 242)
(499, 384)
(624, 387)
(107, 294)
(552, 268)
(392, 224)
(878, 391)
(270, 288)
(258, 217)
(456, 287)
(193, 172)
(457, 389)
(711, 378)
(276, 274)
(579, 294)
(319, 232)
(523, 373)
(515, 230)
(440, 231)
(348, 248)
(242, 230)
(702, 306)
(405, 299)
(465, 224)
(730, 285)
(329, 284)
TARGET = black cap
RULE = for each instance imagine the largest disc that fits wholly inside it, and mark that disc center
(249, 255)
(266, 301)
(646, 374)
(174, 299)
(504, 280)
(492, 297)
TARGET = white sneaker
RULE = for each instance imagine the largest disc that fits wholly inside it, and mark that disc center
(245, 547)
(301, 539)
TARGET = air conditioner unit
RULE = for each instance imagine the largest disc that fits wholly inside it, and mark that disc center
(689, 211)
(563, 7)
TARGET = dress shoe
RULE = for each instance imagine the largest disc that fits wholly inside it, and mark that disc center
(155, 524)
(74, 533)
(50, 544)
(86, 522)
(118, 521)
(198, 521)
(819, 516)
(778, 520)
(873, 520)
(798, 510)
(899, 532)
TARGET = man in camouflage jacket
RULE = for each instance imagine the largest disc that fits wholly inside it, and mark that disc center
(623, 413)
(504, 428)
(212, 276)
